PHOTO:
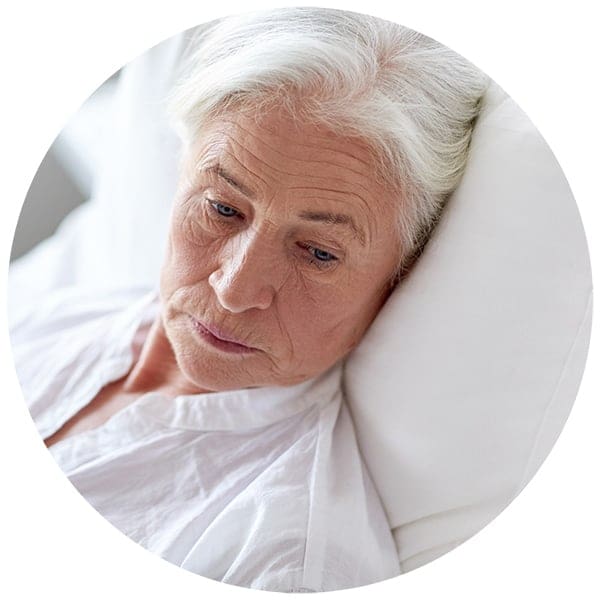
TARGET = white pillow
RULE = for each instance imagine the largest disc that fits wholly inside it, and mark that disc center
(116, 238)
(466, 377)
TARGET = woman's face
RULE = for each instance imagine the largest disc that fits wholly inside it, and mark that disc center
(281, 250)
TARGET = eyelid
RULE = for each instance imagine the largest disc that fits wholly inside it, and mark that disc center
(316, 248)
(330, 247)
(320, 264)
(215, 203)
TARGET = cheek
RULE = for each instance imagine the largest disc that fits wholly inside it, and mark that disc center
(191, 251)
(324, 322)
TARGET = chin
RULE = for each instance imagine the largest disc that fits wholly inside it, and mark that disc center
(212, 370)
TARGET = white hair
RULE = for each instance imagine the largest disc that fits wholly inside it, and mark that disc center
(410, 99)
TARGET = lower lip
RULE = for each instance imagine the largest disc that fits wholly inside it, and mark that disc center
(218, 343)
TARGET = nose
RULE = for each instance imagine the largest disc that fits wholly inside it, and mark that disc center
(246, 275)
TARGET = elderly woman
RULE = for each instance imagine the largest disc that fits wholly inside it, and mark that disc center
(206, 419)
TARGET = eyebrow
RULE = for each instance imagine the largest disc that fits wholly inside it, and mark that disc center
(220, 172)
(334, 219)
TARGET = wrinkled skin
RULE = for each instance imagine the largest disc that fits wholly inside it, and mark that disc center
(281, 237)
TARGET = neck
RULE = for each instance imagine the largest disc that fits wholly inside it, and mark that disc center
(156, 368)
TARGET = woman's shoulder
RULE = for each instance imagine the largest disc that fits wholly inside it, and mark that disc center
(68, 341)
(66, 326)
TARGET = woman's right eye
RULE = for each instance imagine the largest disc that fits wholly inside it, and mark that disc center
(223, 209)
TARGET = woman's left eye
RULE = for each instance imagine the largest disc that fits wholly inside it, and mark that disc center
(321, 256)
(224, 210)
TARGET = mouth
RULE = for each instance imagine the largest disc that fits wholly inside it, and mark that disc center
(219, 339)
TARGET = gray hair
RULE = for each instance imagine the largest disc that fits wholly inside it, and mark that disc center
(410, 99)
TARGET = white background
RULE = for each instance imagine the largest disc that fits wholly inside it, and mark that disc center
(54, 54)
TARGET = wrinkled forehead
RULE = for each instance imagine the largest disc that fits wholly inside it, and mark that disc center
(280, 150)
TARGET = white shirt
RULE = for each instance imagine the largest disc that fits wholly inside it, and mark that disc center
(263, 488)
